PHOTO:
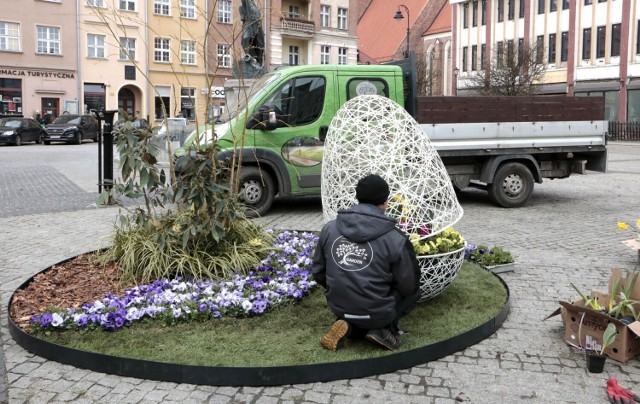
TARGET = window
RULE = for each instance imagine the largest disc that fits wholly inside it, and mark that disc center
(342, 56)
(224, 11)
(541, 6)
(48, 40)
(161, 7)
(162, 102)
(601, 38)
(224, 58)
(483, 53)
(586, 43)
(95, 3)
(342, 18)
(615, 39)
(511, 9)
(95, 46)
(188, 52)
(521, 9)
(520, 50)
(94, 96)
(564, 47)
(188, 9)
(588, 2)
(325, 51)
(465, 15)
(9, 36)
(128, 5)
(367, 86)
(552, 49)
(161, 50)
(484, 12)
(510, 51)
(638, 39)
(602, 1)
(294, 55)
(325, 16)
(566, 4)
(294, 12)
(299, 101)
(474, 58)
(633, 105)
(539, 49)
(188, 102)
(500, 53)
(127, 48)
(500, 10)
(553, 5)
(465, 50)
(474, 15)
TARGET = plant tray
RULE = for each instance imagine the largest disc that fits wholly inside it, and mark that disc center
(501, 268)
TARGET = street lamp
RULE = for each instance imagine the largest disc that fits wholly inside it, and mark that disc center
(399, 17)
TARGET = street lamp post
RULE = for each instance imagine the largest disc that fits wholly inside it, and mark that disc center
(399, 17)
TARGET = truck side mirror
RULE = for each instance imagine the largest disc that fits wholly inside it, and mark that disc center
(264, 119)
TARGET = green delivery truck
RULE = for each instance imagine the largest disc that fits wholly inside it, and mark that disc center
(286, 114)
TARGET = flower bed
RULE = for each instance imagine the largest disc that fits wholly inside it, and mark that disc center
(284, 276)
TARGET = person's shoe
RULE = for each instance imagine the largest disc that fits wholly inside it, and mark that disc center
(336, 334)
(384, 337)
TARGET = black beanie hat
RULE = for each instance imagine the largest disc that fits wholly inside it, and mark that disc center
(372, 189)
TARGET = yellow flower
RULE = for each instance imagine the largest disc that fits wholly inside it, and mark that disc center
(622, 226)
(638, 223)
(176, 228)
(256, 242)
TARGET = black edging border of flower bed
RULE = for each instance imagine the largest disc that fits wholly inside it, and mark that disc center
(253, 376)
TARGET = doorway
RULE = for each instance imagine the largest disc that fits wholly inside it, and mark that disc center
(50, 109)
(127, 101)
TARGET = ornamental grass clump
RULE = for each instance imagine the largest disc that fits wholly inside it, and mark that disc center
(190, 222)
(282, 277)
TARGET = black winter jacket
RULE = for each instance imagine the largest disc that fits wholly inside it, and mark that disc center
(365, 263)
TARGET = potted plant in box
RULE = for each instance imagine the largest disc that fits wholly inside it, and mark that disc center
(596, 358)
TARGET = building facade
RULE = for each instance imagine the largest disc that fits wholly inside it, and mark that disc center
(589, 47)
(153, 57)
(39, 68)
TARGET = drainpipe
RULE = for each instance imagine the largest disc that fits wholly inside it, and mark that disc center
(79, 96)
(146, 41)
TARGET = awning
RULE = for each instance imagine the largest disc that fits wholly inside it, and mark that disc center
(611, 85)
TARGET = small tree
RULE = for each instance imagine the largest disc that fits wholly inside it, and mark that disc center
(514, 72)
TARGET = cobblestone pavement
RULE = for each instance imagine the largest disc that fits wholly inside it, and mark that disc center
(566, 234)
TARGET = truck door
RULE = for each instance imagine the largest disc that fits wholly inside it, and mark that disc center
(303, 107)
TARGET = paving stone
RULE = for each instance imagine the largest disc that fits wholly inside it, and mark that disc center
(565, 234)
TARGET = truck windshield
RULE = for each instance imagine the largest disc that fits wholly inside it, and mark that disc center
(256, 89)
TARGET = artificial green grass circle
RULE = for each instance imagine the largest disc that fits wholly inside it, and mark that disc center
(290, 335)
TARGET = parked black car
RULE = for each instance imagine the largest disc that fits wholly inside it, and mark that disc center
(19, 130)
(72, 128)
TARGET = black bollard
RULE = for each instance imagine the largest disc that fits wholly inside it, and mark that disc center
(107, 133)
(99, 116)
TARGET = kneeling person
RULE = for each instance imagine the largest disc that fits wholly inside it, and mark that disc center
(368, 268)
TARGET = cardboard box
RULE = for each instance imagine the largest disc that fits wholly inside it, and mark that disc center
(584, 327)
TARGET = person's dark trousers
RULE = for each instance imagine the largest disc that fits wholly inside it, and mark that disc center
(404, 306)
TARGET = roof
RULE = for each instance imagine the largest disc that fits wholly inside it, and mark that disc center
(442, 23)
(379, 34)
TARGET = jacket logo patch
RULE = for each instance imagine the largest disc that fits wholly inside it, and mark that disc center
(351, 256)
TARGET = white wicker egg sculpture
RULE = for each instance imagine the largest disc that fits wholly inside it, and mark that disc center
(372, 134)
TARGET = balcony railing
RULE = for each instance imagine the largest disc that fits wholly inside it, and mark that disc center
(298, 25)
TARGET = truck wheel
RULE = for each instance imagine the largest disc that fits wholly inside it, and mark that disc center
(256, 191)
(512, 185)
